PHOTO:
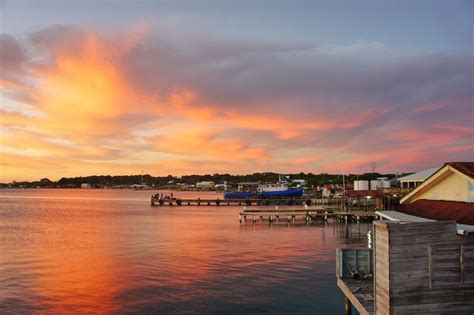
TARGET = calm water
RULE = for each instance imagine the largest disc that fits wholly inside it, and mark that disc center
(108, 251)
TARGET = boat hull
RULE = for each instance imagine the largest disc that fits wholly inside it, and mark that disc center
(290, 193)
(238, 195)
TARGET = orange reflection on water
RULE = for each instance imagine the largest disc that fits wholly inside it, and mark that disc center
(101, 251)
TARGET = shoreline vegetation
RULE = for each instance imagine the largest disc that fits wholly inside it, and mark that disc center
(173, 182)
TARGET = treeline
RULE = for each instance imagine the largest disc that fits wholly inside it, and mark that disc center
(312, 180)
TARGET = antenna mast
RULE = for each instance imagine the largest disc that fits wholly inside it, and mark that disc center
(372, 166)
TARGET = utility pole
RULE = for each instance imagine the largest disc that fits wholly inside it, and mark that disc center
(343, 192)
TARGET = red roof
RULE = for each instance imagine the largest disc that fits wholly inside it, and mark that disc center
(441, 210)
(466, 168)
(365, 193)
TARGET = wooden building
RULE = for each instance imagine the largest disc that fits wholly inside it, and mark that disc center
(421, 266)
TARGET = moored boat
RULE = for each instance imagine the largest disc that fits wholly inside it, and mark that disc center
(238, 195)
(288, 193)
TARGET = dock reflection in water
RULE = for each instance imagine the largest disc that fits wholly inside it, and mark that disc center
(106, 251)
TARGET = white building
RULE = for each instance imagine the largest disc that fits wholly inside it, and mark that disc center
(86, 186)
(205, 185)
(413, 180)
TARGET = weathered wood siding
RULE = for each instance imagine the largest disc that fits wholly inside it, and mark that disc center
(382, 269)
(354, 260)
(423, 268)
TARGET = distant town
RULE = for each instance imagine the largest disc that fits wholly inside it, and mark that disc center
(215, 182)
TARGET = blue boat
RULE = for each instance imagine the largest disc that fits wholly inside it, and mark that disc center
(289, 193)
(238, 195)
(279, 189)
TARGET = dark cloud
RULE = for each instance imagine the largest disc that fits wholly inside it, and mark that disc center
(12, 58)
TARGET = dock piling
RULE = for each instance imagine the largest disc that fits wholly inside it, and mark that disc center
(347, 306)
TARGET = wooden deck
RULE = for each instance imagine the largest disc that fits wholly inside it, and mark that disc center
(229, 202)
(359, 292)
(354, 272)
(288, 213)
(308, 213)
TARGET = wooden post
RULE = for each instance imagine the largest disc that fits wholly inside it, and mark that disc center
(430, 267)
(347, 305)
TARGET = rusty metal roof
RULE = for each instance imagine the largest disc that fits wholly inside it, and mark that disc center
(466, 168)
(441, 210)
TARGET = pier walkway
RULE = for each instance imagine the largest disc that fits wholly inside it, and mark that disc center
(307, 213)
(284, 212)
(228, 202)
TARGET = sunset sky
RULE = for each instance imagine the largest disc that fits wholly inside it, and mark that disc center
(195, 87)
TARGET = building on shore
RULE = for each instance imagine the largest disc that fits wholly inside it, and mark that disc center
(453, 182)
(423, 256)
(413, 180)
(247, 186)
(335, 190)
(86, 186)
(205, 185)
(366, 198)
(448, 194)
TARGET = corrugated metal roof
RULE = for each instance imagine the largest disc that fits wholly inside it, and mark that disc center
(420, 176)
(399, 216)
(403, 217)
(441, 210)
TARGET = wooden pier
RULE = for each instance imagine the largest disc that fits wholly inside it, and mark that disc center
(228, 202)
(290, 214)
(355, 215)
(307, 213)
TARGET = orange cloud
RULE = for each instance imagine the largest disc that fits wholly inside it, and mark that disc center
(92, 117)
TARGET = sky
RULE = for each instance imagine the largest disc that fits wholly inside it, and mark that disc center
(203, 87)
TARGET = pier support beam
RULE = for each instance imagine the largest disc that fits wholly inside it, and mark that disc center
(347, 306)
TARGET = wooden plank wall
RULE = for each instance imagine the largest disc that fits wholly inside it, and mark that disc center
(430, 268)
(382, 268)
(351, 260)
